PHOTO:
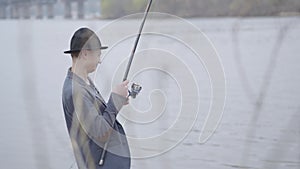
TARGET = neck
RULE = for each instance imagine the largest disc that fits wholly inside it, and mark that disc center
(80, 71)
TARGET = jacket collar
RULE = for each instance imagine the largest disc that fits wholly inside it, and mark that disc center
(78, 79)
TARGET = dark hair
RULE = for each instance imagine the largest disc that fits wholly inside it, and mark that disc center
(75, 54)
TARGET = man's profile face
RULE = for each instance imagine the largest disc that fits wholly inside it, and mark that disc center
(93, 59)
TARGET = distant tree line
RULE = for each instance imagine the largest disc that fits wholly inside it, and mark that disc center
(201, 8)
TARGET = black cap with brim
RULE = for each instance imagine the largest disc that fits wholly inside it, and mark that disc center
(78, 50)
(84, 38)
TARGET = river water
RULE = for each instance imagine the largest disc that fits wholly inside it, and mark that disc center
(259, 128)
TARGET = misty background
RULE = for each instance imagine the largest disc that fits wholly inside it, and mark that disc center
(257, 42)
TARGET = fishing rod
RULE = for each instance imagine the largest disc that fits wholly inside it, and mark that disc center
(135, 88)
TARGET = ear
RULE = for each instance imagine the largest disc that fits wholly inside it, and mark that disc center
(84, 54)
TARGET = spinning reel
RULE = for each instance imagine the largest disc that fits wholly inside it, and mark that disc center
(135, 90)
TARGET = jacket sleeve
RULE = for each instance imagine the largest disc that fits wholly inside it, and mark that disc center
(96, 124)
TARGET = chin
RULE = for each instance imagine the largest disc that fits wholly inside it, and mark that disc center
(93, 69)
